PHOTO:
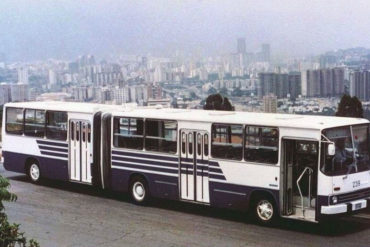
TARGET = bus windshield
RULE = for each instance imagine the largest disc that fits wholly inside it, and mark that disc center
(351, 150)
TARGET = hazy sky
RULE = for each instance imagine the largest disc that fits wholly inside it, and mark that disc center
(39, 29)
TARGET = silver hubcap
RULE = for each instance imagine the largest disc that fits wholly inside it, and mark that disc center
(265, 210)
(34, 172)
(138, 190)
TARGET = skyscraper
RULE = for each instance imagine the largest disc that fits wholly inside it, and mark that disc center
(279, 84)
(23, 75)
(359, 82)
(295, 85)
(241, 46)
(338, 81)
(323, 82)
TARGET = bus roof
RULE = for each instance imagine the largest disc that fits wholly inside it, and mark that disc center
(251, 118)
(235, 117)
(80, 107)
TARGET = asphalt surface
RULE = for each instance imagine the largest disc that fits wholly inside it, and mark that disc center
(66, 214)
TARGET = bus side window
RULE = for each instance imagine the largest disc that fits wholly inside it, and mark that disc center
(227, 141)
(72, 130)
(261, 144)
(56, 125)
(14, 121)
(199, 144)
(205, 144)
(83, 132)
(183, 143)
(89, 133)
(77, 131)
(34, 122)
(190, 136)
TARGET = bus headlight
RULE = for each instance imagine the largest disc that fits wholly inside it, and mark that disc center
(334, 199)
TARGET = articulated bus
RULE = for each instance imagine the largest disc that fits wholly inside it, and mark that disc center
(272, 165)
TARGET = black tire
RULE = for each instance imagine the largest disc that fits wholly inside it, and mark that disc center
(33, 171)
(264, 210)
(139, 190)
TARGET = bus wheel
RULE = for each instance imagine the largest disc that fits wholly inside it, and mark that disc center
(264, 210)
(34, 172)
(139, 190)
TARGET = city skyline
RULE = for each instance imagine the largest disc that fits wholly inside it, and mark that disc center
(64, 29)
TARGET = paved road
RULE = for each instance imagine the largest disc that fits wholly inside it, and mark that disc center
(64, 214)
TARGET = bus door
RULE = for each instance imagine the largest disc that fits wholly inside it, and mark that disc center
(299, 178)
(194, 178)
(80, 151)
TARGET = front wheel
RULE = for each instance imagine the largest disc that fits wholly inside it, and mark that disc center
(34, 172)
(139, 190)
(264, 210)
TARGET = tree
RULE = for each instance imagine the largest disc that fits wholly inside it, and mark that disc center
(218, 102)
(10, 235)
(350, 107)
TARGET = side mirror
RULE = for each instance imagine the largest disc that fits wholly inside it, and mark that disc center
(331, 149)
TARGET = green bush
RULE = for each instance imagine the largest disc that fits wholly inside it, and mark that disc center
(10, 235)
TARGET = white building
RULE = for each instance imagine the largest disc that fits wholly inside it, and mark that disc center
(23, 75)
(52, 78)
(121, 95)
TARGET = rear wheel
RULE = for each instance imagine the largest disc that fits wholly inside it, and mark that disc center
(139, 190)
(264, 210)
(34, 172)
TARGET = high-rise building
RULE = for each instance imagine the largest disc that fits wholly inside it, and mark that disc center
(52, 78)
(323, 82)
(154, 92)
(241, 46)
(295, 84)
(159, 74)
(279, 84)
(19, 92)
(86, 60)
(270, 103)
(327, 82)
(23, 75)
(80, 94)
(4, 93)
(313, 83)
(121, 95)
(338, 81)
(359, 84)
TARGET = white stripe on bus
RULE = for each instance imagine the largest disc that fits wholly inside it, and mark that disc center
(147, 165)
(147, 171)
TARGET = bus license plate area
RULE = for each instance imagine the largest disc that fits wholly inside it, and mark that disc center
(358, 205)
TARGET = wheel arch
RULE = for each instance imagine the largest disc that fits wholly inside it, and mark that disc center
(137, 174)
(257, 193)
(29, 161)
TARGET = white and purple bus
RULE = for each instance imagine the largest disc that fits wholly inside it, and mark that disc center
(293, 166)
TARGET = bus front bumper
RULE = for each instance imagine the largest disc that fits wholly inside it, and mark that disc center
(345, 207)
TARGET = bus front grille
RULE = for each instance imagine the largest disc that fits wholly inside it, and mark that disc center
(359, 194)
